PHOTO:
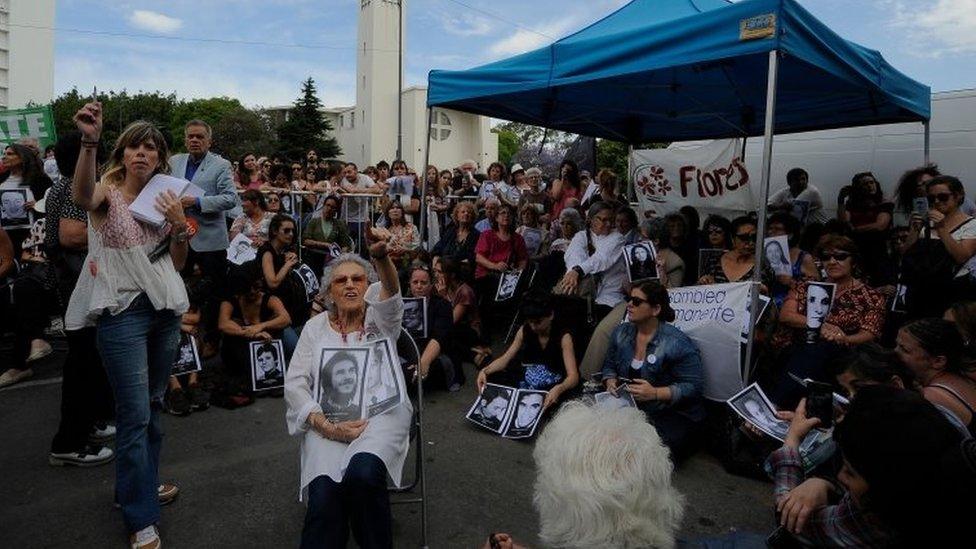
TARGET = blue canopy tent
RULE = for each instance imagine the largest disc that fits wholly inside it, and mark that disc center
(676, 70)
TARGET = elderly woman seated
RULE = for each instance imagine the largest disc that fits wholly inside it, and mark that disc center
(589, 496)
(345, 462)
(660, 367)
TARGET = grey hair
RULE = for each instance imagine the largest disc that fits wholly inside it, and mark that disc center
(604, 480)
(200, 123)
(347, 257)
(597, 207)
(573, 216)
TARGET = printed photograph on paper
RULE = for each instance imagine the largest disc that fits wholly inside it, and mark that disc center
(14, 213)
(187, 357)
(339, 383)
(753, 405)
(241, 250)
(382, 391)
(415, 316)
(641, 261)
(507, 284)
(526, 415)
(490, 408)
(267, 365)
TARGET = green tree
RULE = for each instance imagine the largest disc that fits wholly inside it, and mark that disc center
(210, 110)
(307, 128)
(508, 145)
(242, 131)
(119, 109)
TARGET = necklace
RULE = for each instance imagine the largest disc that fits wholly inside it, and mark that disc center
(340, 327)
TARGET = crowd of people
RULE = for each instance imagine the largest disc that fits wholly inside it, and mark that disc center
(523, 279)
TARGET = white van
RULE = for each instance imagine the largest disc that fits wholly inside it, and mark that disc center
(832, 157)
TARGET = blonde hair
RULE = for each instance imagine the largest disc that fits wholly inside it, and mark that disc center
(134, 135)
(466, 205)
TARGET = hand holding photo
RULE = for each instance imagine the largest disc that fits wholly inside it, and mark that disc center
(267, 365)
(310, 281)
(753, 405)
(528, 411)
(641, 261)
(187, 357)
(820, 296)
(608, 400)
(778, 254)
(241, 250)
(491, 408)
(415, 316)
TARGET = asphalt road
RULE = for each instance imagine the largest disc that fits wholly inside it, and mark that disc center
(239, 471)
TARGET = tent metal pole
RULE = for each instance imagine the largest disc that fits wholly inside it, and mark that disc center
(927, 147)
(424, 234)
(767, 158)
(631, 194)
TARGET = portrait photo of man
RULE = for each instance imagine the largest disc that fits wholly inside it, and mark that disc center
(13, 209)
(751, 404)
(490, 409)
(339, 383)
(267, 365)
(187, 359)
(528, 411)
(413, 317)
(507, 285)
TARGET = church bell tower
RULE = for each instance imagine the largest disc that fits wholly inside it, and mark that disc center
(378, 79)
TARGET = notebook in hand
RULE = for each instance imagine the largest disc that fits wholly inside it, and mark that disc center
(143, 207)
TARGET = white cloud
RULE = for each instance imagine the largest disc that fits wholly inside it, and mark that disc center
(942, 26)
(523, 40)
(466, 24)
(154, 22)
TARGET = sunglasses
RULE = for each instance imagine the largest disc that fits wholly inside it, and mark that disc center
(837, 256)
(636, 301)
(939, 197)
(715, 230)
(747, 237)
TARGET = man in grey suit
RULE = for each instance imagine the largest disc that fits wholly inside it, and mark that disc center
(208, 247)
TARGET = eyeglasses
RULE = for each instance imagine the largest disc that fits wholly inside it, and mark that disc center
(636, 301)
(939, 197)
(747, 237)
(715, 230)
(836, 256)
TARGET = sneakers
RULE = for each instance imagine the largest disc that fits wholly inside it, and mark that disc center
(167, 493)
(101, 432)
(147, 538)
(89, 456)
(199, 397)
(13, 375)
(39, 350)
(176, 403)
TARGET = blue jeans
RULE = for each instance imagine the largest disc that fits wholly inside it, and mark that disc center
(138, 347)
(360, 499)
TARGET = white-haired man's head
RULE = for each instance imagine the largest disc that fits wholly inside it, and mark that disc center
(604, 480)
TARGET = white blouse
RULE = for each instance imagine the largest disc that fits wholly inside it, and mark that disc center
(387, 436)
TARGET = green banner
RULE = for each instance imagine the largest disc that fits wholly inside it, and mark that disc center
(36, 122)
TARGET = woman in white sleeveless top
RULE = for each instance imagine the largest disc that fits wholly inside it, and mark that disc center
(132, 293)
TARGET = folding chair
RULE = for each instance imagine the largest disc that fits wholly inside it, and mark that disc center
(409, 353)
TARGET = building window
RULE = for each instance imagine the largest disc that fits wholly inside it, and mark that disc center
(352, 119)
(440, 130)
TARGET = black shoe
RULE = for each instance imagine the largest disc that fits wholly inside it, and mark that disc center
(101, 432)
(89, 456)
(199, 397)
(176, 403)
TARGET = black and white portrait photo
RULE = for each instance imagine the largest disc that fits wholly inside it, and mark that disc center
(708, 258)
(381, 388)
(777, 250)
(415, 316)
(898, 302)
(267, 365)
(286, 204)
(752, 405)
(187, 357)
(533, 240)
(14, 213)
(820, 296)
(641, 261)
(507, 285)
(310, 281)
(764, 301)
(606, 399)
(241, 250)
(339, 382)
(525, 417)
(490, 409)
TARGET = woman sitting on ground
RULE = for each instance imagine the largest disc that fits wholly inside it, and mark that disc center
(738, 263)
(499, 249)
(932, 349)
(345, 464)
(254, 222)
(248, 314)
(544, 348)
(907, 476)
(665, 366)
(278, 261)
(671, 268)
(466, 344)
(458, 241)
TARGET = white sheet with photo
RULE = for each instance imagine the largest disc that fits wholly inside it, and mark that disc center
(526, 412)
(608, 400)
(187, 356)
(382, 387)
(641, 259)
(339, 382)
(507, 284)
(777, 249)
(14, 213)
(415, 316)
(492, 407)
(820, 298)
(241, 250)
(267, 365)
(752, 404)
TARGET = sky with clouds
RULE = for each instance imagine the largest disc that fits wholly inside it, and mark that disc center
(259, 51)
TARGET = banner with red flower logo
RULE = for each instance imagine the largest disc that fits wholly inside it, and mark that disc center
(710, 177)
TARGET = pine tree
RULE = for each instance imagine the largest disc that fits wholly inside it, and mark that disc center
(307, 128)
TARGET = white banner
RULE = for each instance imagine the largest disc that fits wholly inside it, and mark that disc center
(709, 177)
(714, 316)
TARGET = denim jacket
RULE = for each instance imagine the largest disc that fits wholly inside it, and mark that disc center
(676, 363)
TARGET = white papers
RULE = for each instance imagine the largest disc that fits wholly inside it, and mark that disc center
(607, 400)
(510, 412)
(143, 207)
(241, 250)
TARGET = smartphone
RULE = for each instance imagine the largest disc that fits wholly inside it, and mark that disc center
(820, 403)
